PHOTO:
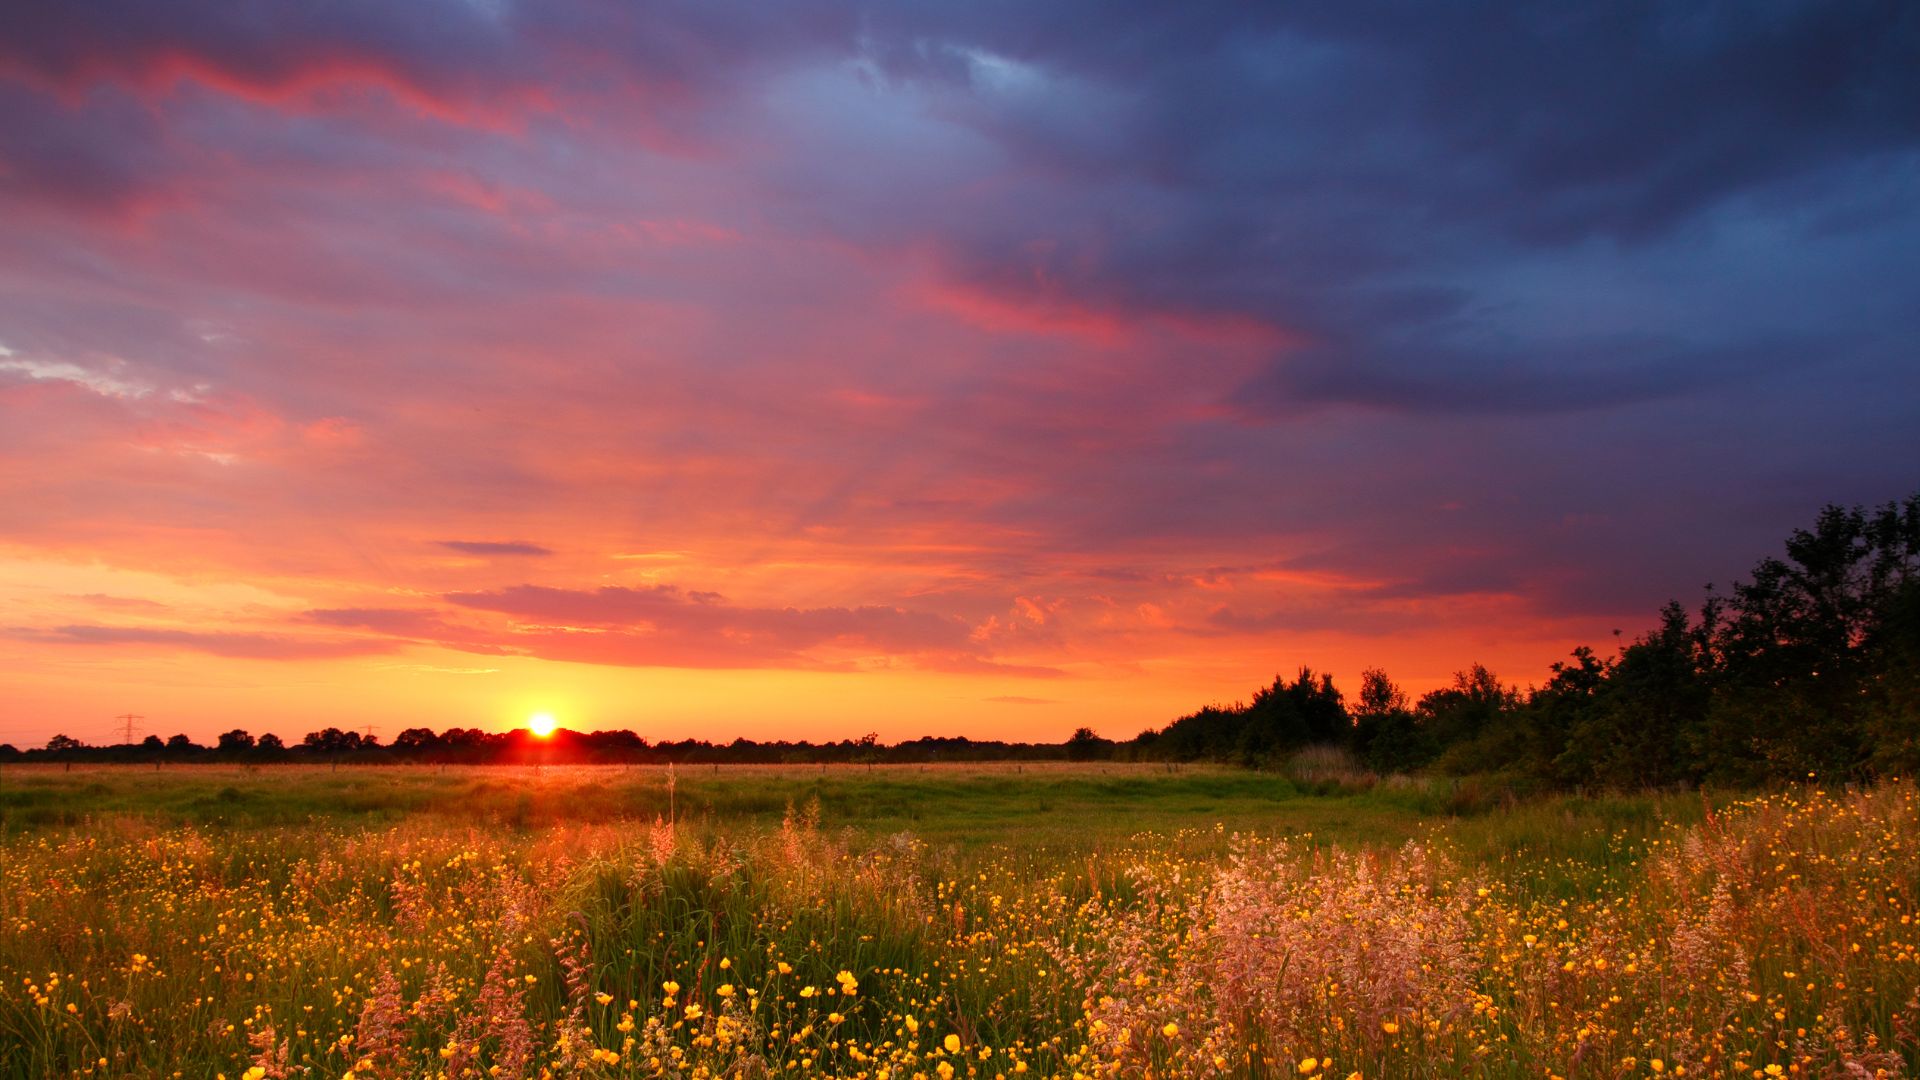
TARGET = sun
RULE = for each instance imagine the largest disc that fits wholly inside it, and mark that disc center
(541, 724)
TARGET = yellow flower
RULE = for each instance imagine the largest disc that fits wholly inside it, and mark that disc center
(784, 968)
(952, 1043)
(603, 998)
(1657, 1065)
(725, 990)
(945, 1070)
(1390, 1027)
(1171, 1031)
(1308, 1065)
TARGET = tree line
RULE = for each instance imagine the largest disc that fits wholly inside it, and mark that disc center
(473, 746)
(1810, 666)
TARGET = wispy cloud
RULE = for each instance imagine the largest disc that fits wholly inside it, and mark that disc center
(249, 646)
(494, 547)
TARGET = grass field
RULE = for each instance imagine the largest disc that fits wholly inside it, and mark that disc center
(990, 920)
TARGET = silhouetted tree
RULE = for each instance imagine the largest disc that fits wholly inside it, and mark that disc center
(1797, 663)
(1474, 719)
(1385, 735)
(235, 743)
(416, 741)
(1085, 745)
(331, 741)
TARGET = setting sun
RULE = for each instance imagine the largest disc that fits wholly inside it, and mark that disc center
(541, 724)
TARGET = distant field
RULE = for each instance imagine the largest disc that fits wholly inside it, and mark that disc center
(1074, 805)
(938, 921)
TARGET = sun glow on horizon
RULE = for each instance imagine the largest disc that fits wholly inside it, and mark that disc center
(541, 724)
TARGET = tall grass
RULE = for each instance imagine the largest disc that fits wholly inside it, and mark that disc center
(1574, 937)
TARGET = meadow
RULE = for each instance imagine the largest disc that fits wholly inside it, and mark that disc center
(941, 921)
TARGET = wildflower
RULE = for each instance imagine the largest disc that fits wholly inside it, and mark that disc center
(1308, 1065)
(952, 1043)
(1171, 1031)
(1390, 1027)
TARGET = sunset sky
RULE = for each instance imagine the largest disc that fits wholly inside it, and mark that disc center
(804, 370)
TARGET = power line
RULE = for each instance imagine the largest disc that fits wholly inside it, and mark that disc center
(128, 719)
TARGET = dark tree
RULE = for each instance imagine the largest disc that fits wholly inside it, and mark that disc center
(1386, 736)
(235, 742)
(332, 741)
(1085, 745)
(1797, 683)
(416, 741)
(1475, 720)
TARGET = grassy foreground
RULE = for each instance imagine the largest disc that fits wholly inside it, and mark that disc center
(985, 921)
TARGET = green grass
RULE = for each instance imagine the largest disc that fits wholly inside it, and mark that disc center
(279, 895)
(1053, 809)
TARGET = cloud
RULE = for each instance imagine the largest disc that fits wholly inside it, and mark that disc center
(692, 618)
(121, 603)
(410, 622)
(1448, 377)
(103, 383)
(242, 645)
(494, 547)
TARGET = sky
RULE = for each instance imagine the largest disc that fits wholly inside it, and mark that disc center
(806, 370)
